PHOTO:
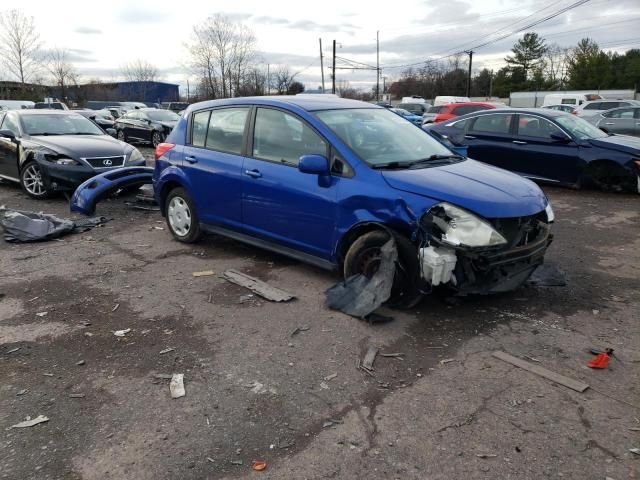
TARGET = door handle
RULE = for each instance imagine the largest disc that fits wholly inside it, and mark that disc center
(470, 137)
(609, 123)
(191, 159)
(519, 142)
(253, 173)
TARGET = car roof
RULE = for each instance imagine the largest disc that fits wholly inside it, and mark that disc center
(308, 102)
(51, 111)
(543, 112)
(473, 104)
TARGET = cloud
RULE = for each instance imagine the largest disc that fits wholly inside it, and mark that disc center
(136, 15)
(88, 31)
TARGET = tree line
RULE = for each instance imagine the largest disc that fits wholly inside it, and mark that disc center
(533, 65)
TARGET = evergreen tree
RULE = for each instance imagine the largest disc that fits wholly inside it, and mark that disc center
(528, 53)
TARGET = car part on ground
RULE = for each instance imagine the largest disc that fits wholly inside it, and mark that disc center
(24, 227)
(88, 194)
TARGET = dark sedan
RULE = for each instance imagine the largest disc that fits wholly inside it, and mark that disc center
(53, 150)
(149, 125)
(102, 118)
(550, 146)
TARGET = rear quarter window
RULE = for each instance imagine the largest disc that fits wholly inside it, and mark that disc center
(500, 124)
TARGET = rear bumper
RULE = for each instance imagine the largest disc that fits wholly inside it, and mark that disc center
(64, 178)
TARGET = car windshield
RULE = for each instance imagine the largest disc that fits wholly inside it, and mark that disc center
(579, 127)
(72, 124)
(163, 116)
(381, 138)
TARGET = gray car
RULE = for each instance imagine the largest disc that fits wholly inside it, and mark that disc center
(623, 121)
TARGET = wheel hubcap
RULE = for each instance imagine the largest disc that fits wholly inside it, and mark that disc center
(179, 216)
(156, 139)
(33, 181)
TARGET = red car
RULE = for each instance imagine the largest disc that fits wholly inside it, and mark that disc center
(443, 113)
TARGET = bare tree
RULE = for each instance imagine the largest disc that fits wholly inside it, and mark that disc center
(221, 53)
(555, 65)
(282, 78)
(61, 69)
(19, 45)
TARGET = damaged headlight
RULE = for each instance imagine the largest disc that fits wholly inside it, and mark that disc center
(53, 157)
(135, 156)
(459, 227)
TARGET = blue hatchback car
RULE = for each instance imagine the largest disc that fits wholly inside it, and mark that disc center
(329, 181)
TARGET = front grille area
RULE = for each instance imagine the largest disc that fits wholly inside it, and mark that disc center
(106, 162)
(521, 231)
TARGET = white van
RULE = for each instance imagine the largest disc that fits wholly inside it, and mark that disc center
(447, 99)
(413, 99)
(574, 99)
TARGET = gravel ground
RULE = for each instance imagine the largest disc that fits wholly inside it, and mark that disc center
(255, 390)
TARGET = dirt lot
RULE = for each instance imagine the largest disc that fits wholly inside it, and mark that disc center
(257, 391)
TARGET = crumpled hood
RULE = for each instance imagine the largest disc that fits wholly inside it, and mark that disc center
(485, 190)
(82, 146)
(622, 143)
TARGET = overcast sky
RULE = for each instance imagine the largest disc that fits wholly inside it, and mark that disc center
(102, 37)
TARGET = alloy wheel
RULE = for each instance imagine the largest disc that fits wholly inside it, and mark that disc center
(179, 216)
(32, 180)
(156, 139)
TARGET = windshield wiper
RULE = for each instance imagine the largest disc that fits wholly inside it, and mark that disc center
(44, 134)
(84, 133)
(390, 165)
(437, 159)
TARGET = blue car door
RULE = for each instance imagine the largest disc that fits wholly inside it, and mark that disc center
(213, 163)
(489, 139)
(280, 203)
(540, 156)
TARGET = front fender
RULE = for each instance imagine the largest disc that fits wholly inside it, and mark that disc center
(88, 194)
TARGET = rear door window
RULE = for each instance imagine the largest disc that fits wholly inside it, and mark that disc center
(532, 126)
(226, 129)
(499, 124)
(199, 125)
(283, 138)
(622, 113)
(594, 106)
(568, 101)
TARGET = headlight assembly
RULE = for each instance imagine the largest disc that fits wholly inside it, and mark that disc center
(458, 227)
(53, 157)
(136, 156)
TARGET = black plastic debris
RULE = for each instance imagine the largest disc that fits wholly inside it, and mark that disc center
(547, 275)
(358, 295)
(23, 227)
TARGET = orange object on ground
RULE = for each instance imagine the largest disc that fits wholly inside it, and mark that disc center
(258, 465)
(601, 361)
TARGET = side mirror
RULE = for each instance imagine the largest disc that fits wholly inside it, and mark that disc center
(8, 134)
(112, 132)
(560, 137)
(314, 164)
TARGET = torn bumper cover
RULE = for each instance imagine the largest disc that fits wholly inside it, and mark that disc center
(88, 194)
(475, 256)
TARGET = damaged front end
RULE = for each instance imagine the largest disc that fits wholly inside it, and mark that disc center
(471, 255)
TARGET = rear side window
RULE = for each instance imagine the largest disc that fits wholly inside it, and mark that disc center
(622, 113)
(226, 129)
(283, 138)
(594, 106)
(199, 126)
(441, 109)
(493, 124)
(461, 125)
(568, 101)
(531, 126)
(463, 110)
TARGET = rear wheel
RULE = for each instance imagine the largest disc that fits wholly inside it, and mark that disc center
(156, 139)
(182, 219)
(32, 182)
(364, 255)
(611, 177)
(122, 136)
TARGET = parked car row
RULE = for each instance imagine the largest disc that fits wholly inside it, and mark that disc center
(148, 125)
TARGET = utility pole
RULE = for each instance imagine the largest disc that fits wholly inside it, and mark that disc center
(384, 85)
(490, 85)
(470, 52)
(187, 90)
(268, 81)
(378, 66)
(333, 69)
(321, 66)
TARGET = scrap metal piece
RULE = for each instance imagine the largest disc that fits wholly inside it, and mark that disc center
(23, 227)
(358, 295)
(257, 286)
(543, 372)
(30, 423)
(176, 386)
(369, 358)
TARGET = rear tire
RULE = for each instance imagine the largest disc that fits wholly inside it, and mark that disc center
(31, 181)
(157, 138)
(181, 216)
(363, 257)
(122, 136)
